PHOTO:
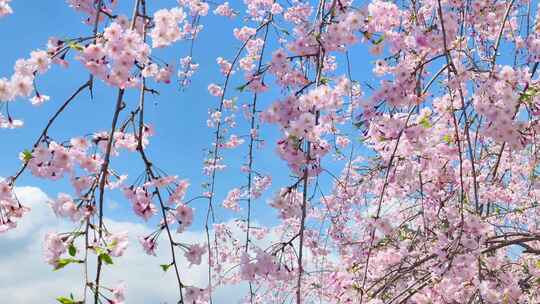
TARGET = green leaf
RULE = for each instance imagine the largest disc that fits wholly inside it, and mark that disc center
(27, 155)
(72, 250)
(424, 122)
(294, 139)
(77, 234)
(106, 258)
(324, 80)
(165, 267)
(242, 87)
(379, 41)
(358, 124)
(528, 95)
(447, 138)
(112, 244)
(65, 300)
(75, 46)
(64, 262)
(100, 251)
(367, 35)
(538, 263)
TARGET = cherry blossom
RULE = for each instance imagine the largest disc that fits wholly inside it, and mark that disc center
(5, 9)
(194, 253)
(358, 152)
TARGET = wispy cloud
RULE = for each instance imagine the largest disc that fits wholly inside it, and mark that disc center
(26, 278)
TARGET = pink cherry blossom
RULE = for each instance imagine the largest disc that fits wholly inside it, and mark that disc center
(149, 245)
(5, 9)
(194, 253)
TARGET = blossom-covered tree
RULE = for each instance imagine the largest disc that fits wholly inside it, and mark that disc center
(418, 184)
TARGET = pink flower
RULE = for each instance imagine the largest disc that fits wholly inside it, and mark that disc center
(149, 245)
(166, 29)
(194, 253)
(79, 143)
(244, 33)
(6, 90)
(22, 85)
(5, 191)
(39, 99)
(164, 74)
(119, 293)
(224, 10)
(192, 294)
(180, 191)
(145, 209)
(260, 184)
(117, 243)
(142, 202)
(150, 70)
(215, 90)
(40, 61)
(54, 248)
(342, 141)
(64, 206)
(231, 201)
(276, 8)
(233, 142)
(225, 66)
(184, 215)
(5, 9)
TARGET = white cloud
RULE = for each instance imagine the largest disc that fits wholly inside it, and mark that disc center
(26, 278)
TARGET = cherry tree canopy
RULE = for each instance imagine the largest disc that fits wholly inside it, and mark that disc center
(412, 172)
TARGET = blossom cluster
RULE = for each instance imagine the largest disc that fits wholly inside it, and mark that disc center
(22, 83)
(113, 56)
(10, 207)
(417, 183)
(89, 8)
(301, 120)
(5, 9)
